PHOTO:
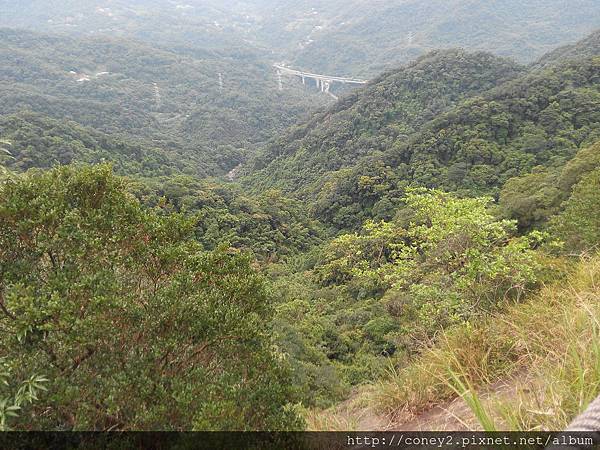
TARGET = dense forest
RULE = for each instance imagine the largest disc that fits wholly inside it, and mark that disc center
(159, 98)
(425, 237)
(437, 124)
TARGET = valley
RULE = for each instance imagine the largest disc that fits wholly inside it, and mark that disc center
(273, 215)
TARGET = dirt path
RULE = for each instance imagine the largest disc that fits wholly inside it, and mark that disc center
(454, 415)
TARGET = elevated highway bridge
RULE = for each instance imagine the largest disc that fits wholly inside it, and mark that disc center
(322, 82)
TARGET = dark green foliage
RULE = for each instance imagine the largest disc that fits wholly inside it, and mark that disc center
(540, 118)
(533, 198)
(38, 141)
(452, 262)
(389, 290)
(134, 325)
(579, 224)
(377, 118)
(170, 100)
(271, 225)
(333, 339)
(537, 119)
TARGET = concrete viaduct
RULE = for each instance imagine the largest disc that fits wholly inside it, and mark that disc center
(322, 82)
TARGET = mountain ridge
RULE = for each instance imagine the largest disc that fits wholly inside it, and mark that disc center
(534, 118)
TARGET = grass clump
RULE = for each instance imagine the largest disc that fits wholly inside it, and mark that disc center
(553, 338)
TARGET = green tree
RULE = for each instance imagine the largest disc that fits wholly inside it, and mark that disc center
(446, 261)
(13, 396)
(534, 198)
(135, 325)
(579, 224)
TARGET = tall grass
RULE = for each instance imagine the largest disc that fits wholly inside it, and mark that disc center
(463, 389)
(479, 353)
(567, 379)
(329, 420)
(553, 338)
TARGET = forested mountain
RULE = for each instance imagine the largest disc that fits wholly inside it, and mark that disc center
(206, 24)
(355, 160)
(344, 37)
(169, 100)
(364, 37)
(587, 47)
(395, 105)
(38, 141)
(187, 244)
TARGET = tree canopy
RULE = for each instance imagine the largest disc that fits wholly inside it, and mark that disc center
(133, 324)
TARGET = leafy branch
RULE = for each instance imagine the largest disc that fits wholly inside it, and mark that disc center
(27, 393)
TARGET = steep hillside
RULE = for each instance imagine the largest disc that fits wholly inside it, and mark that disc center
(494, 374)
(534, 120)
(38, 141)
(393, 106)
(472, 146)
(186, 102)
(533, 198)
(590, 46)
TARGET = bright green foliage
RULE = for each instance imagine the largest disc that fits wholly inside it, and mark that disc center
(348, 306)
(579, 223)
(4, 155)
(452, 261)
(134, 325)
(13, 396)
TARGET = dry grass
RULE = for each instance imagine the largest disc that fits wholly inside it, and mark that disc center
(554, 337)
(330, 420)
(565, 359)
